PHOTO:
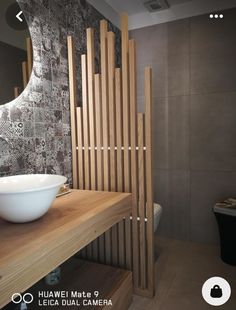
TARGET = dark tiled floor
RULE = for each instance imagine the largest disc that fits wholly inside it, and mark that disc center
(181, 269)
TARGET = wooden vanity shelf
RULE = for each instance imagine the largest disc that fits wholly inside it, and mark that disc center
(28, 252)
(82, 276)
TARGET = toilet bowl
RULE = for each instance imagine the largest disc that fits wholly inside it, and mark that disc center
(157, 215)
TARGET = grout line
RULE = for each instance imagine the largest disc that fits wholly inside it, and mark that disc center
(189, 137)
(233, 92)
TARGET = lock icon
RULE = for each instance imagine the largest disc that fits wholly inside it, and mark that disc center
(216, 292)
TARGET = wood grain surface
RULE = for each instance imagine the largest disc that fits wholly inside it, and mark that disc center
(78, 276)
(30, 251)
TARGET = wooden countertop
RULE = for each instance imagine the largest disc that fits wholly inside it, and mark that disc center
(30, 251)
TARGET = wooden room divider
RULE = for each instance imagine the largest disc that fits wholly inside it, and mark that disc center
(112, 150)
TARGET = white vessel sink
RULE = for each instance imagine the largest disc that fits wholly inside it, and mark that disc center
(25, 198)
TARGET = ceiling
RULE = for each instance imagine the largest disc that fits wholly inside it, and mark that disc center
(135, 6)
(139, 16)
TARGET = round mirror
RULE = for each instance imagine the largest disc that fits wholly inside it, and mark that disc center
(16, 55)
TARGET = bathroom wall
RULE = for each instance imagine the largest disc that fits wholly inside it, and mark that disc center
(38, 122)
(194, 89)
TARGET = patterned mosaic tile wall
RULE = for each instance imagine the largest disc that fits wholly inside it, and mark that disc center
(37, 123)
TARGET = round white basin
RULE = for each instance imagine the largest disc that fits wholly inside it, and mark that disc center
(25, 198)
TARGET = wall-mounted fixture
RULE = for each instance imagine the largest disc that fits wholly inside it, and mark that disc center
(156, 5)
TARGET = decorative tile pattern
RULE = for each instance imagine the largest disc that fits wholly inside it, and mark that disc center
(38, 121)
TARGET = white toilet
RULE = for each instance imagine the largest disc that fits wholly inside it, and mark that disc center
(157, 215)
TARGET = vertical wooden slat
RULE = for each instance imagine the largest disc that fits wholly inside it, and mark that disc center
(105, 116)
(83, 253)
(149, 181)
(89, 249)
(73, 104)
(126, 106)
(119, 131)
(134, 172)
(90, 66)
(95, 248)
(80, 148)
(87, 136)
(29, 56)
(112, 133)
(101, 247)
(24, 73)
(105, 121)
(16, 91)
(111, 98)
(142, 202)
(99, 139)
(85, 122)
(108, 246)
(120, 164)
(98, 113)
(126, 121)
(115, 244)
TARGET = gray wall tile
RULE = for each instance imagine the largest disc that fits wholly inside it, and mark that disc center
(160, 133)
(178, 57)
(150, 50)
(162, 197)
(194, 87)
(179, 182)
(178, 36)
(178, 74)
(171, 191)
(159, 78)
(213, 48)
(178, 132)
(213, 131)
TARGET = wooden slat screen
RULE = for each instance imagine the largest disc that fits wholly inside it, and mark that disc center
(114, 151)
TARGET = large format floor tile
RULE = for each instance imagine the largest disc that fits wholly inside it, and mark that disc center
(181, 269)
